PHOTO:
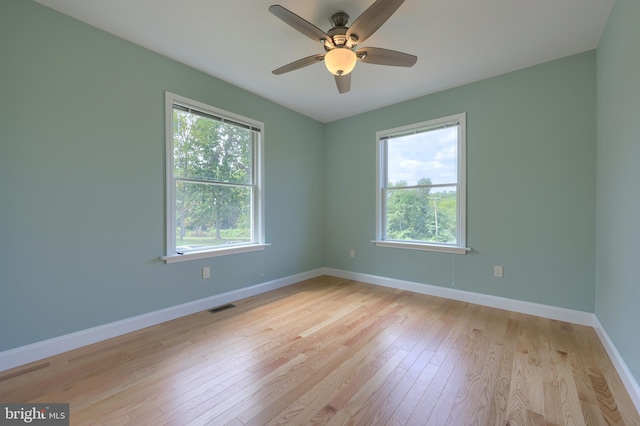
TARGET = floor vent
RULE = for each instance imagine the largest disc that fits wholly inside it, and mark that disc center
(222, 308)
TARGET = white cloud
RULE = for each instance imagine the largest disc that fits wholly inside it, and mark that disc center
(430, 155)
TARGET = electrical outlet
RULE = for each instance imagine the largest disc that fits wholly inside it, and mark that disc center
(352, 253)
(206, 272)
(497, 271)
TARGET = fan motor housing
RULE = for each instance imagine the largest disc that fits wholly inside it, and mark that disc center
(340, 22)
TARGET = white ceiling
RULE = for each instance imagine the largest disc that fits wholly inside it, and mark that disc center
(456, 41)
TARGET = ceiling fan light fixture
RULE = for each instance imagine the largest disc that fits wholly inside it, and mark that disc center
(340, 61)
(341, 42)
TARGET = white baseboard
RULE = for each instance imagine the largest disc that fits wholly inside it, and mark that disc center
(621, 367)
(544, 311)
(57, 345)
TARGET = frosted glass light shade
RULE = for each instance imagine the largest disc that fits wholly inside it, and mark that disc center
(340, 61)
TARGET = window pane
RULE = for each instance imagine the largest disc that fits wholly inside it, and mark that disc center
(208, 149)
(424, 158)
(422, 214)
(211, 215)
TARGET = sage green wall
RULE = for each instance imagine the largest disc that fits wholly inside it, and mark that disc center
(82, 180)
(530, 178)
(618, 176)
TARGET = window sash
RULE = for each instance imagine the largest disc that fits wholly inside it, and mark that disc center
(197, 158)
(176, 102)
(383, 189)
(242, 203)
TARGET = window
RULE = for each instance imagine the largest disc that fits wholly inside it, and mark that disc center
(421, 186)
(214, 193)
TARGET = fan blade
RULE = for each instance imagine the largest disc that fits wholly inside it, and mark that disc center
(378, 56)
(343, 82)
(372, 18)
(300, 63)
(300, 24)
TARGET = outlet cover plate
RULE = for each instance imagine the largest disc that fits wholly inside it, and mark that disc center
(497, 271)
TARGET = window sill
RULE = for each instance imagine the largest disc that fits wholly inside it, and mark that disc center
(195, 255)
(422, 246)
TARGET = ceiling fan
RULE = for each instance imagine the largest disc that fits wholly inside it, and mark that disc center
(341, 42)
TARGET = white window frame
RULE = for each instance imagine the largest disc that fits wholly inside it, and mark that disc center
(257, 231)
(461, 193)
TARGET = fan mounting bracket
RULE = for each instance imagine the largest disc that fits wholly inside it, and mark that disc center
(340, 19)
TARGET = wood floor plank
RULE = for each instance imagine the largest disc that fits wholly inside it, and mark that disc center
(478, 412)
(571, 409)
(408, 405)
(429, 398)
(335, 351)
(353, 406)
(518, 392)
(392, 410)
(501, 389)
(464, 406)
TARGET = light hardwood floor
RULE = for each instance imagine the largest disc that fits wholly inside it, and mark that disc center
(334, 351)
